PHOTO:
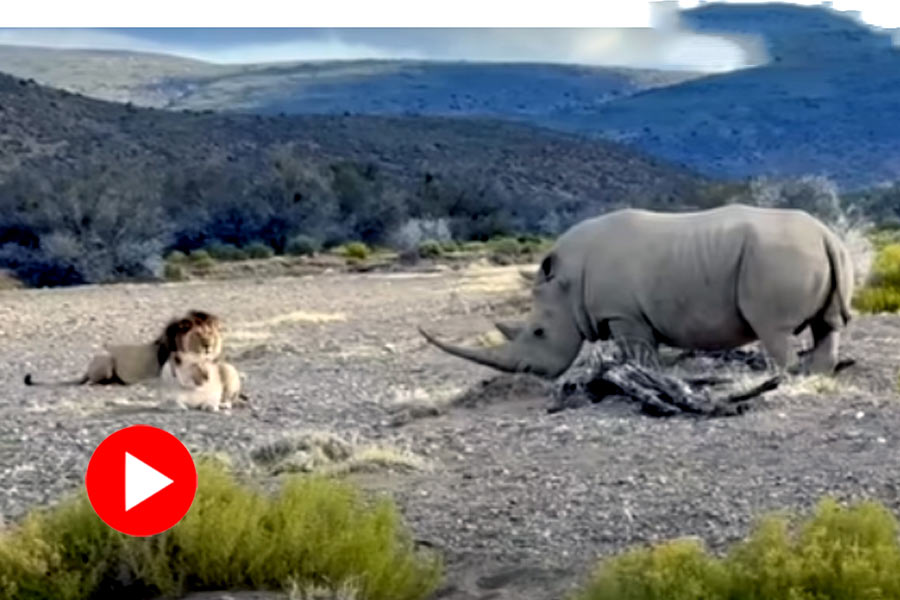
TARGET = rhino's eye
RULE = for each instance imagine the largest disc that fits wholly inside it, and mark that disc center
(539, 332)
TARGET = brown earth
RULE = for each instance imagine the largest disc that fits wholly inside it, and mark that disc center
(520, 502)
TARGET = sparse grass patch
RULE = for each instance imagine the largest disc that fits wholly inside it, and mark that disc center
(835, 554)
(818, 385)
(882, 292)
(325, 453)
(259, 250)
(313, 535)
(473, 246)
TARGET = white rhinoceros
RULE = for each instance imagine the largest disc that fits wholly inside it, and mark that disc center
(705, 280)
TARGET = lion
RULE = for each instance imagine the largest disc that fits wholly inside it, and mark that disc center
(198, 333)
(125, 364)
(193, 381)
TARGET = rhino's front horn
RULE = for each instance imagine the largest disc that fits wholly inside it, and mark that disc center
(496, 358)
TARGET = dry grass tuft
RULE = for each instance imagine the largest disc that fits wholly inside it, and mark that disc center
(325, 453)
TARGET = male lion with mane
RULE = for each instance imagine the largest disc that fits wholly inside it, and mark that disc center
(125, 364)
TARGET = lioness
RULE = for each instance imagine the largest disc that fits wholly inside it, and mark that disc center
(198, 332)
(192, 381)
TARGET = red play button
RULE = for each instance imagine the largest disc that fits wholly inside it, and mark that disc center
(141, 480)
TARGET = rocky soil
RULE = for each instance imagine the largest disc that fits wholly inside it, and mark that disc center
(520, 502)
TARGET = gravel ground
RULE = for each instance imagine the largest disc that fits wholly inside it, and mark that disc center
(520, 502)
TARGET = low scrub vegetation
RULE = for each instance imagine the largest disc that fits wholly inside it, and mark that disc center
(302, 245)
(356, 250)
(313, 534)
(259, 250)
(430, 249)
(98, 223)
(220, 251)
(835, 554)
(882, 292)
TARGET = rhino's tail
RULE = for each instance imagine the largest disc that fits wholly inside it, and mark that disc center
(838, 305)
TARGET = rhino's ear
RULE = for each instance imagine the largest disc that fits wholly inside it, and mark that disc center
(546, 271)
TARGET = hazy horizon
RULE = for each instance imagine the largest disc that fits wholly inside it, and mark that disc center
(639, 35)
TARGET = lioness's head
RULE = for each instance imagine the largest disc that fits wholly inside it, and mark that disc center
(198, 333)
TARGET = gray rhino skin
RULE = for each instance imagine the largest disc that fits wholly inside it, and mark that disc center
(706, 280)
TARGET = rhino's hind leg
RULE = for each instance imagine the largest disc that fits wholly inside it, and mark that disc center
(823, 358)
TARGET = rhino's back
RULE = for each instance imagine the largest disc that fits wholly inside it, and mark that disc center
(679, 272)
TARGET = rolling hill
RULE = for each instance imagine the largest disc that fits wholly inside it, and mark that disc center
(387, 87)
(43, 128)
(825, 104)
(828, 103)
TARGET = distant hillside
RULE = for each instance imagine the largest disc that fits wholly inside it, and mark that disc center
(74, 169)
(827, 104)
(389, 87)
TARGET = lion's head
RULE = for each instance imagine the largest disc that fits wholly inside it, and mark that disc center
(198, 333)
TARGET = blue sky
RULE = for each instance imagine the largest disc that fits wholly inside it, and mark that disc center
(629, 40)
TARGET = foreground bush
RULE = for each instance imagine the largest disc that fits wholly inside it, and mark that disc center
(836, 554)
(882, 293)
(314, 533)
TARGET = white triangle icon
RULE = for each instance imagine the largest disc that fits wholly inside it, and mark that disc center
(141, 481)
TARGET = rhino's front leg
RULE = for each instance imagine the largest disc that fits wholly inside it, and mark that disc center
(636, 342)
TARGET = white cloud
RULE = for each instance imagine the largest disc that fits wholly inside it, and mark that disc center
(628, 40)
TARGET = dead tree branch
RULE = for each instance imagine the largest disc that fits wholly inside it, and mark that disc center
(599, 374)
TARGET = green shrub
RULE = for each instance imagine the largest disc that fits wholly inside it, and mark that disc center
(430, 249)
(200, 256)
(259, 250)
(882, 293)
(504, 250)
(835, 554)
(176, 256)
(301, 245)
(201, 260)
(221, 251)
(174, 272)
(357, 250)
(509, 247)
(877, 299)
(886, 267)
(313, 533)
(450, 246)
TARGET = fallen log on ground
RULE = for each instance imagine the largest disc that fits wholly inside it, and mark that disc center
(600, 374)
